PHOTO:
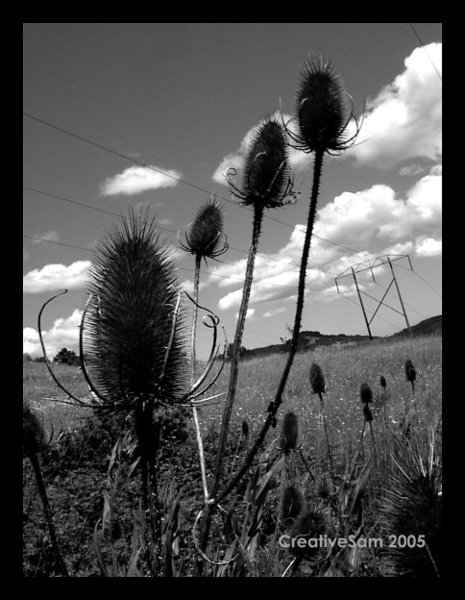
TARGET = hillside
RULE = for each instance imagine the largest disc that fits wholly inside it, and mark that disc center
(313, 339)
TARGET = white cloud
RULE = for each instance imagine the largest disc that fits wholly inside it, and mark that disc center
(135, 180)
(249, 315)
(427, 246)
(26, 255)
(64, 333)
(404, 121)
(56, 276)
(273, 312)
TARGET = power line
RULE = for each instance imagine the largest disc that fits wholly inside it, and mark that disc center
(178, 179)
(423, 279)
(424, 50)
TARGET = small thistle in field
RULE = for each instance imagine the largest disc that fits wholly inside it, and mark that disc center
(245, 429)
(367, 413)
(410, 372)
(317, 380)
(308, 525)
(366, 394)
(292, 504)
(289, 432)
(382, 382)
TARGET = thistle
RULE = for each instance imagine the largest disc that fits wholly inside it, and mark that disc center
(266, 184)
(382, 382)
(317, 381)
(368, 415)
(366, 394)
(410, 373)
(289, 433)
(135, 340)
(33, 443)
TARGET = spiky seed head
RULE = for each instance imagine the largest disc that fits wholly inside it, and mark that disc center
(309, 524)
(130, 320)
(292, 504)
(410, 372)
(205, 237)
(33, 432)
(366, 394)
(382, 382)
(266, 179)
(367, 413)
(322, 108)
(245, 428)
(317, 380)
(289, 432)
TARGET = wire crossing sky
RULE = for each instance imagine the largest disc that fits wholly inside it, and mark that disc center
(150, 115)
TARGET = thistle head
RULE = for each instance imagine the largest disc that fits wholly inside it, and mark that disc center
(410, 372)
(308, 524)
(367, 413)
(317, 380)
(136, 345)
(266, 178)
(292, 504)
(205, 237)
(382, 382)
(245, 428)
(366, 394)
(33, 432)
(323, 109)
(289, 432)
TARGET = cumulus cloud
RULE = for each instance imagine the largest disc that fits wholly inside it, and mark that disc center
(273, 312)
(427, 246)
(56, 276)
(64, 333)
(404, 121)
(235, 160)
(135, 180)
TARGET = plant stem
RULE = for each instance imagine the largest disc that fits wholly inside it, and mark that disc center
(328, 446)
(257, 224)
(48, 513)
(295, 334)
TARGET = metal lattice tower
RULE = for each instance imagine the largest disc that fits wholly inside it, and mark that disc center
(370, 265)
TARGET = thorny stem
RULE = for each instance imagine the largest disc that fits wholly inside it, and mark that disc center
(374, 445)
(295, 334)
(48, 513)
(328, 446)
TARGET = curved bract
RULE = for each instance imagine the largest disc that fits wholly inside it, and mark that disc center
(205, 237)
(129, 324)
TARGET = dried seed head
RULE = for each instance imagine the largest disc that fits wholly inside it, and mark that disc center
(410, 372)
(289, 432)
(367, 413)
(292, 504)
(382, 382)
(317, 379)
(130, 319)
(322, 108)
(245, 428)
(366, 395)
(267, 182)
(308, 525)
(205, 237)
(33, 432)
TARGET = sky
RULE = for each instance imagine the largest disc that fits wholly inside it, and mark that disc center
(149, 115)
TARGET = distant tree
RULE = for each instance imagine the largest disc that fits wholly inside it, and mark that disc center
(27, 357)
(66, 357)
(39, 359)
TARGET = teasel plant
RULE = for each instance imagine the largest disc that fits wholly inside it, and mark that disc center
(317, 382)
(204, 238)
(324, 114)
(366, 397)
(34, 442)
(266, 184)
(136, 339)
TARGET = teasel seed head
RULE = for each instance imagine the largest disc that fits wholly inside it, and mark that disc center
(267, 181)
(33, 432)
(308, 524)
(130, 321)
(292, 504)
(323, 108)
(382, 382)
(205, 237)
(317, 380)
(366, 394)
(245, 428)
(289, 432)
(410, 372)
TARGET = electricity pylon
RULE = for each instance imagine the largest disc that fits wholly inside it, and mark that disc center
(370, 265)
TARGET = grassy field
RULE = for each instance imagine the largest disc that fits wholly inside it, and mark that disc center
(75, 468)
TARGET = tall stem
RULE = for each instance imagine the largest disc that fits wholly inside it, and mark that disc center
(257, 224)
(318, 164)
(48, 513)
